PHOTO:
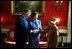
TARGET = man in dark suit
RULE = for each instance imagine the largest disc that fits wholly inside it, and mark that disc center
(22, 28)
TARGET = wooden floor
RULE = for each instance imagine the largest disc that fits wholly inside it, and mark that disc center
(41, 45)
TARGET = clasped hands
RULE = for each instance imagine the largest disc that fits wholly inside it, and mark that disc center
(34, 31)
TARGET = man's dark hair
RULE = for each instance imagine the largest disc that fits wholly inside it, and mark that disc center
(25, 11)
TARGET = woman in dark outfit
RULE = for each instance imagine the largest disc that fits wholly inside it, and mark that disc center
(52, 34)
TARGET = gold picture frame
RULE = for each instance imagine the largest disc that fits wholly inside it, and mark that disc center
(18, 7)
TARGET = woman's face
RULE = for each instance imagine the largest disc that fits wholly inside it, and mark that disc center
(36, 17)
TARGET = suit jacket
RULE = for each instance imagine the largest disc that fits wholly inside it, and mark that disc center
(22, 28)
(36, 25)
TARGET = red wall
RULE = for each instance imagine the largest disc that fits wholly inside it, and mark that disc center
(50, 11)
(7, 19)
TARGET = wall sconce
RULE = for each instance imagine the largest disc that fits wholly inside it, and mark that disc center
(58, 5)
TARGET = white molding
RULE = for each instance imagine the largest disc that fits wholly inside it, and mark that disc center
(69, 23)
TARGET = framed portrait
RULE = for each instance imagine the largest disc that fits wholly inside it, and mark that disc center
(18, 7)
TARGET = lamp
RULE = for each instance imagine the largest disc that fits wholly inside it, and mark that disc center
(58, 5)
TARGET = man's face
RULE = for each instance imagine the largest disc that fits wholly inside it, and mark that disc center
(28, 15)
